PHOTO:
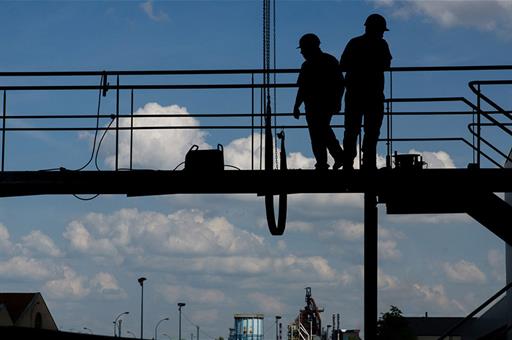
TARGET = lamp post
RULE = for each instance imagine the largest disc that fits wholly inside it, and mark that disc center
(141, 282)
(278, 317)
(156, 327)
(115, 323)
(180, 304)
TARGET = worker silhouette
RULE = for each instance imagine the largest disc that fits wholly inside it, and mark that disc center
(364, 60)
(321, 87)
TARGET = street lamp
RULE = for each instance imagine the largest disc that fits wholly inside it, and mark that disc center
(180, 304)
(115, 323)
(278, 317)
(156, 327)
(87, 329)
(141, 282)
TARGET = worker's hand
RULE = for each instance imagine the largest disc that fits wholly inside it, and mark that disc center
(296, 112)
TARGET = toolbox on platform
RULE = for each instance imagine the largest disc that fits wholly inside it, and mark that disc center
(211, 160)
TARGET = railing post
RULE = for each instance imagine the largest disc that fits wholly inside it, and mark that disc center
(478, 127)
(131, 131)
(3, 129)
(117, 124)
(252, 121)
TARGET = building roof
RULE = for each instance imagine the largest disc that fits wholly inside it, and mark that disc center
(16, 303)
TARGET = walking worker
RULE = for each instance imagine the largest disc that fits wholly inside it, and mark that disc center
(321, 87)
(364, 60)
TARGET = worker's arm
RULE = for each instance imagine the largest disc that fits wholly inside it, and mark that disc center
(299, 99)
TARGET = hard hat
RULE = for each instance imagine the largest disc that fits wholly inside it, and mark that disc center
(376, 22)
(309, 40)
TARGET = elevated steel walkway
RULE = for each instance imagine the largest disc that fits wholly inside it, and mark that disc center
(472, 189)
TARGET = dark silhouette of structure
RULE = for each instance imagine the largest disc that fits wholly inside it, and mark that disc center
(321, 87)
(365, 59)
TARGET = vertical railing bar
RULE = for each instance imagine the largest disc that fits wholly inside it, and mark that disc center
(117, 124)
(252, 121)
(131, 131)
(390, 113)
(3, 129)
(478, 122)
(261, 126)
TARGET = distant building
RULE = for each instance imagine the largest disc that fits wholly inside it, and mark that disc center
(25, 310)
(248, 326)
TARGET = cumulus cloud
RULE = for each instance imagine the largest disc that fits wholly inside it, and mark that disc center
(496, 260)
(106, 284)
(148, 8)
(69, 286)
(488, 15)
(437, 296)
(385, 281)
(5, 242)
(271, 305)
(175, 293)
(436, 159)
(156, 148)
(464, 272)
(41, 243)
(21, 267)
(347, 230)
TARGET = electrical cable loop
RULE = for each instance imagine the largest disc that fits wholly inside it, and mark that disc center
(277, 229)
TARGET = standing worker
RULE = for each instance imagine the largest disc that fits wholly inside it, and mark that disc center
(321, 87)
(364, 60)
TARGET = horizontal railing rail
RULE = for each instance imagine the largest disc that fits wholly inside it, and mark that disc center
(475, 109)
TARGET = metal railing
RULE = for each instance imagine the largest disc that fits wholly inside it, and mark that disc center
(248, 83)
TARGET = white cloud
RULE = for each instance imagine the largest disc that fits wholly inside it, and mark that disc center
(175, 293)
(496, 260)
(464, 272)
(488, 15)
(106, 284)
(388, 250)
(155, 148)
(436, 159)
(347, 230)
(21, 267)
(5, 242)
(41, 243)
(437, 296)
(385, 281)
(82, 241)
(430, 218)
(69, 286)
(147, 7)
(267, 304)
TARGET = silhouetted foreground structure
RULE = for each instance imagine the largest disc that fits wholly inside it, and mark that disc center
(23, 333)
(407, 189)
(28, 310)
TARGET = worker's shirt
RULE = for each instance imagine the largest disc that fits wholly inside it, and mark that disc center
(364, 60)
(321, 84)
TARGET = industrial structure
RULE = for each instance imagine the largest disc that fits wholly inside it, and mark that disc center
(308, 324)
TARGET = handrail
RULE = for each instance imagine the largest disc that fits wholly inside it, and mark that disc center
(476, 311)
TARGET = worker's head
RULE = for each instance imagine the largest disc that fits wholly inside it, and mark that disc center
(309, 44)
(375, 24)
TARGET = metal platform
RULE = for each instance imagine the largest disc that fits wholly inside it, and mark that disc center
(261, 182)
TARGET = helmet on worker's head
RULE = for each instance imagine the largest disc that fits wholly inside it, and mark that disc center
(309, 40)
(376, 22)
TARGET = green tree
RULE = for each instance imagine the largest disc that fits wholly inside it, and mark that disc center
(393, 326)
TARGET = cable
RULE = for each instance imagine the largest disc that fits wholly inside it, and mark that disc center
(200, 329)
(232, 166)
(177, 166)
(97, 127)
(101, 140)
(86, 199)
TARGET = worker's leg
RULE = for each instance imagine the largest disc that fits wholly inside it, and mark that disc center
(353, 118)
(317, 135)
(372, 123)
(332, 143)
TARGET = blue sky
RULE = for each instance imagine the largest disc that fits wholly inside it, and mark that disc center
(214, 252)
